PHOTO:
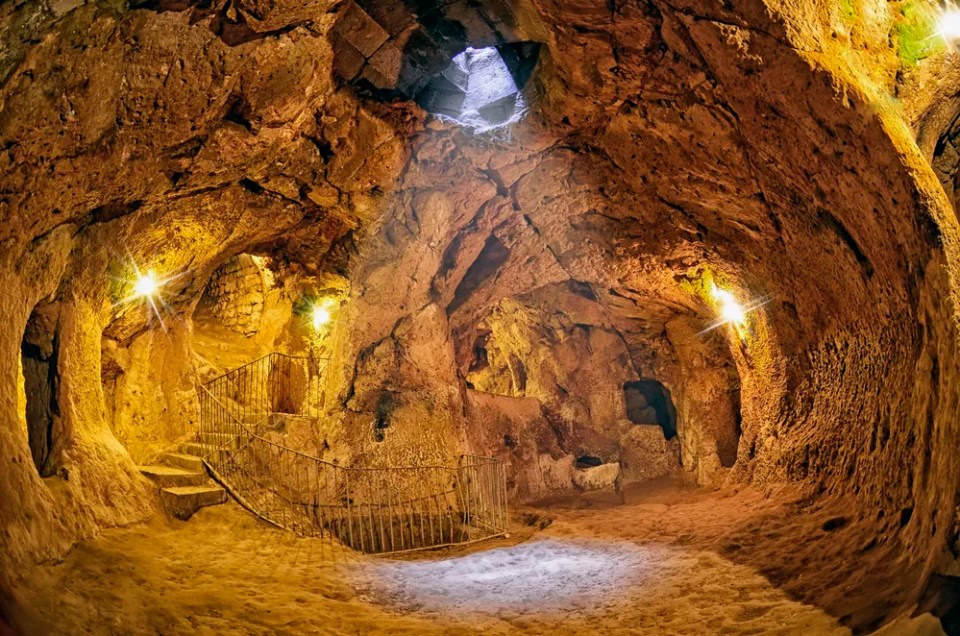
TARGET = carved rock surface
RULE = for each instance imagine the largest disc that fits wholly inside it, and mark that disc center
(648, 454)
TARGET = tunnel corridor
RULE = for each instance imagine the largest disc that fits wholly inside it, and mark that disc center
(499, 316)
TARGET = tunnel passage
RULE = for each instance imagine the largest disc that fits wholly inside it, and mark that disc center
(613, 183)
(38, 352)
(648, 402)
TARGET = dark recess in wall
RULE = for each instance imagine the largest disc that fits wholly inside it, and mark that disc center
(649, 402)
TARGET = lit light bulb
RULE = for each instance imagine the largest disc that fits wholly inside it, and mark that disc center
(321, 316)
(730, 310)
(948, 25)
(146, 286)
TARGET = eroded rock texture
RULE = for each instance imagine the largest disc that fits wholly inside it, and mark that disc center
(503, 293)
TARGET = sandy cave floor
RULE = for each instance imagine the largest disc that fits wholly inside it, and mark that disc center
(599, 566)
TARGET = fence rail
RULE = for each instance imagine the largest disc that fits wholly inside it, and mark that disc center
(370, 509)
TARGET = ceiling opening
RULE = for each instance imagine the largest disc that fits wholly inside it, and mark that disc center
(483, 88)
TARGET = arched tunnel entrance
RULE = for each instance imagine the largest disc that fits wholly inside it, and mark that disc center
(648, 402)
(40, 377)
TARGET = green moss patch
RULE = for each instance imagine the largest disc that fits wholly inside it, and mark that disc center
(916, 34)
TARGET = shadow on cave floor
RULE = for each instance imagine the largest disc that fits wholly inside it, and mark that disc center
(817, 550)
(670, 558)
(224, 573)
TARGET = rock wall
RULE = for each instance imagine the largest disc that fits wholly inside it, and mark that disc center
(235, 294)
(568, 359)
(149, 390)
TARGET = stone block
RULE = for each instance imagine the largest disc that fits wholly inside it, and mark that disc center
(596, 477)
(383, 69)
(647, 454)
(457, 75)
(183, 501)
(442, 96)
(170, 476)
(500, 110)
(422, 50)
(392, 16)
(411, 80)
(347, 60)
(359, 29)
(478, 31)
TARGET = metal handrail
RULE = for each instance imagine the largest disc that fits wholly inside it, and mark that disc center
(222, 405)
(384, 510)
(253, 362)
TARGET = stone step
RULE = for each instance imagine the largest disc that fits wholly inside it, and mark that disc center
(183, 501)
(205, 451)
(220, 440)
(182, 460)
(165, 476)
(231, 429)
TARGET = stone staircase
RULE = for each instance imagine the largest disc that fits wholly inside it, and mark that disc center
(182, 479)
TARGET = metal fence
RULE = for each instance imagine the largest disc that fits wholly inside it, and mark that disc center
(374, 510)
(275, 383)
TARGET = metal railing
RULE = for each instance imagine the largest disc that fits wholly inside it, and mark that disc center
(276, 383)
(371, 509)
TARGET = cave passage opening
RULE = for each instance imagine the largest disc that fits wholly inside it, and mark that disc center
(649, 402)
(483, 88)
(38, 364)
(243, 313)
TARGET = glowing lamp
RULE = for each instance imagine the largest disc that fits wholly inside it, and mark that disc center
(321, 316)
(730, 310)
(948, 26)
(146, 285)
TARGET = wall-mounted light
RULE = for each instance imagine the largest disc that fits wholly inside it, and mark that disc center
(948, 24)
(146, 286)
(321, 314)
(140, 287)
(731, 311)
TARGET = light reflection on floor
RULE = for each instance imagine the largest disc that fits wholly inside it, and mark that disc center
(546, 575)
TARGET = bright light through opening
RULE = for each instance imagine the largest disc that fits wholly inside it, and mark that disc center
(146, 285)
(482, 88)
(948, 25)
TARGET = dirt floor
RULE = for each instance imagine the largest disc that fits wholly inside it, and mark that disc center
(646, 563)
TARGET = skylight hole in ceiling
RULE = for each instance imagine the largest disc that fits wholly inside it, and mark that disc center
(482, 88)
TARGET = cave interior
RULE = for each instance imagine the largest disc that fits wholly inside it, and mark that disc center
(479, 316)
